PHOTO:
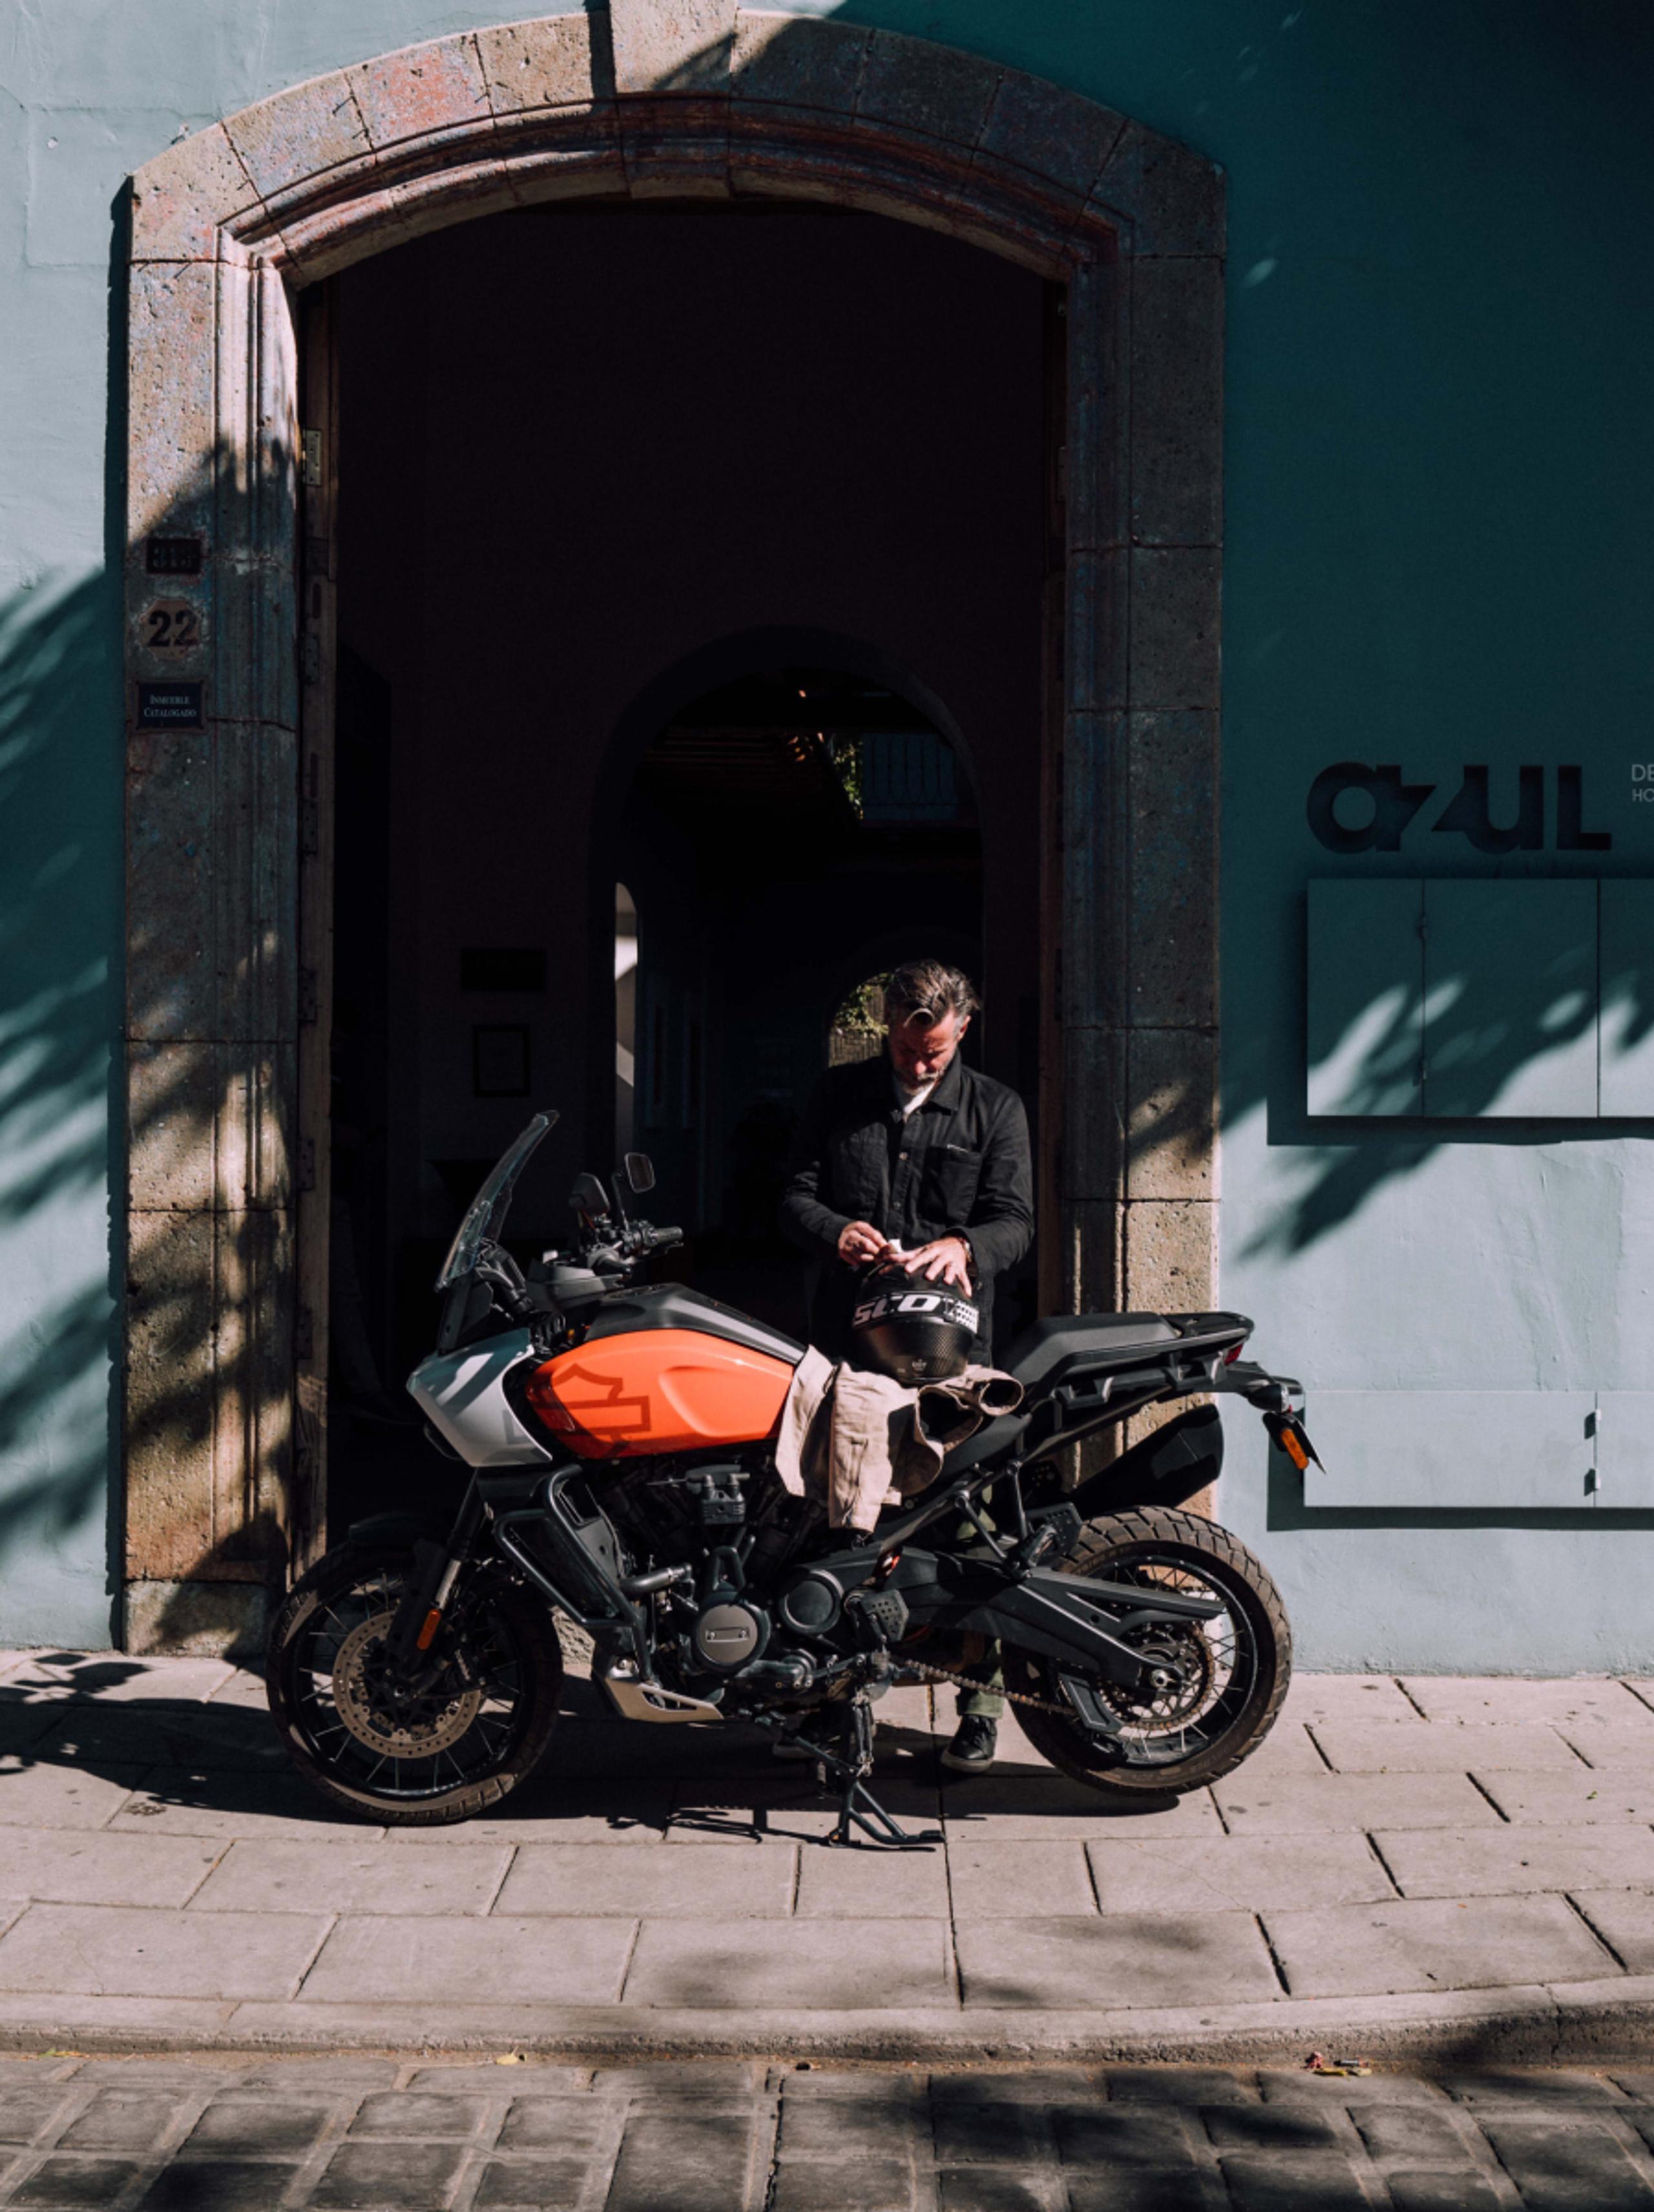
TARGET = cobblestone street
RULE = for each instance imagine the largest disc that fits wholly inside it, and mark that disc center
(348, 2134)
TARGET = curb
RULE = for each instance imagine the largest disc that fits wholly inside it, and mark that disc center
(1562, 2024)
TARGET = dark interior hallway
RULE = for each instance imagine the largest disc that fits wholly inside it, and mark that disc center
(701, 553)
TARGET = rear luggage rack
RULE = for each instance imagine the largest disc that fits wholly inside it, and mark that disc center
(1093, 1377)
(1213, 1332)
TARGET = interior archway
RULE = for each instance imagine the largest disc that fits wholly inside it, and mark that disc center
(232, 809)
(772, 824)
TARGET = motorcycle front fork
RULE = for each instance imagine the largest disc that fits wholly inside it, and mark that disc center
(419, 1613)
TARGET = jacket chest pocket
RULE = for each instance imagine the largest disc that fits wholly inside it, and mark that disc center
(952, 1173)
(860, 1165)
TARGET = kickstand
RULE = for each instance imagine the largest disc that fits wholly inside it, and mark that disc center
(857, 1807)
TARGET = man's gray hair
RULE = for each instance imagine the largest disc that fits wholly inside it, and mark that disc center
(927, 991)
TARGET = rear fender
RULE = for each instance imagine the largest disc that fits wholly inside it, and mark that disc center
(1164, 1469)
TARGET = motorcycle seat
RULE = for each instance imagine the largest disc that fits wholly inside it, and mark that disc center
(1071, 1345)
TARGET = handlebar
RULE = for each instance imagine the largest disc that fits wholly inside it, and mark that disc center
(647, 1238)
(634, 1242)
(527, 1301)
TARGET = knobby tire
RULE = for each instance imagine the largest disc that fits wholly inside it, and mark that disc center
(1112, 1544)
(532, 1629)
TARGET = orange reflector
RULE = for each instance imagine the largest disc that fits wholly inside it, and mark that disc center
(1295, 1452)
(427, 1636)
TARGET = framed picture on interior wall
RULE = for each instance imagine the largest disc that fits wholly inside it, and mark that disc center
(499, 1059)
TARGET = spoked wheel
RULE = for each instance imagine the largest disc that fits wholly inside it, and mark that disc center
(458, 1744)
(1214, 1688)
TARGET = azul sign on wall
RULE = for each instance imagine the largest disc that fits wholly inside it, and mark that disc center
(1354, 808)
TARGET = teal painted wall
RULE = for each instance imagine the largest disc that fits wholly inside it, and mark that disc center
(1441, 459)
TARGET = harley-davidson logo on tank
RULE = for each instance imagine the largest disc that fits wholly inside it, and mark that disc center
(658, 1390)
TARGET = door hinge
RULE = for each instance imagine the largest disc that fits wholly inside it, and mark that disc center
(312, 468)
(307, 1164)
(309, 994)
(304, 1334)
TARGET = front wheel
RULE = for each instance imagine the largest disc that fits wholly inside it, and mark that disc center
(1217, 1685)
(460, 1745)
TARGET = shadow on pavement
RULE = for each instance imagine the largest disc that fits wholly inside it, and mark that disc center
(219, 1754)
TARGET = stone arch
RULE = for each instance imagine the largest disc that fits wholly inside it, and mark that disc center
(719, 660)
(668, 690)
(723, 659)
(228, 794)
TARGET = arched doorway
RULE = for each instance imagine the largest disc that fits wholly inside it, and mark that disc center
(231, 752)
(835, 472)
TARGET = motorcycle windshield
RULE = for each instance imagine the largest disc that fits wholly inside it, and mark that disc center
(485, 1217)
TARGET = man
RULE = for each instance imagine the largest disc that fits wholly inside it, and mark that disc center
(915, 1154)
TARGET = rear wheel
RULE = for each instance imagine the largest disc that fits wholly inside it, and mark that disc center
(1215, 1685)
(460, 1745)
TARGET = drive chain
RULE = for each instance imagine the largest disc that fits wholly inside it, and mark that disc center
(968, 1682)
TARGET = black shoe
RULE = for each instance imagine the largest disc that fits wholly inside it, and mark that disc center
(972, 1751)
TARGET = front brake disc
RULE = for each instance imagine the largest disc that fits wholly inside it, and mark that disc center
(437, 1722)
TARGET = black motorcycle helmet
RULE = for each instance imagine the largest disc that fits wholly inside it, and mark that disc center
(903, 1325)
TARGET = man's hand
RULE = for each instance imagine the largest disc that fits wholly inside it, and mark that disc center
(948, 1260)
(860, 1241)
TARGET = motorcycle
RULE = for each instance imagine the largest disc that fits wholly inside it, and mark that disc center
(618, 1440)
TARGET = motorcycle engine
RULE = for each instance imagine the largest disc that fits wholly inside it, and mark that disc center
(728, 1634)
(697, 1514)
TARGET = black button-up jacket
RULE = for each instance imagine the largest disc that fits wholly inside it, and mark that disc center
(959, 1166)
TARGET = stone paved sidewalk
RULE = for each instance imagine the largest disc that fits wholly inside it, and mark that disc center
(1432, 1864)
(354, 2135)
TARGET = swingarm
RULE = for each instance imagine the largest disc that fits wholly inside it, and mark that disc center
(1068, 1619)
(1078, 1622)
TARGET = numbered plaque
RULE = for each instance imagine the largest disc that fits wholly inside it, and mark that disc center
(170, 630)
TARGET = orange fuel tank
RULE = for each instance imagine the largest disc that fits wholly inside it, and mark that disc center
(658, 1390)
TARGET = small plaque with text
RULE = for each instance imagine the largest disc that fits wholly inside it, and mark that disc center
(173, 556)
(169, 707)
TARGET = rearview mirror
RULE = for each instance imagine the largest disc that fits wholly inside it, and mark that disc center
(639, 1172)
(588, 1195)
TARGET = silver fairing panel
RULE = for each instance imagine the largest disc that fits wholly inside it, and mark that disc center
(463, 1395)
